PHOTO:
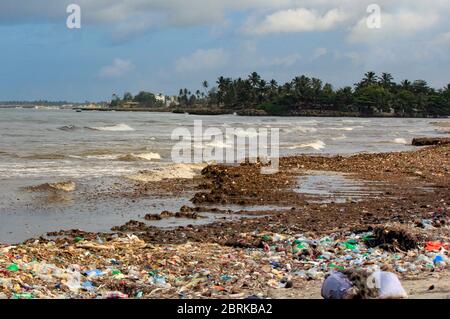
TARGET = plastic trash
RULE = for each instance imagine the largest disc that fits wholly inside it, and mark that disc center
(435, 246)
(73, 281)
(116, 295)
(13, 267)
(336, 286)
(87, 285)
(93, 273)
(440, 262)
(25, 295)
(388, 285)
(79, 239)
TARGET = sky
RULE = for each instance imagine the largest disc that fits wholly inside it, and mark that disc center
(164, 45)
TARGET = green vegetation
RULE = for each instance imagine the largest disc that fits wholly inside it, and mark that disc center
(142, 99)
(372, 96)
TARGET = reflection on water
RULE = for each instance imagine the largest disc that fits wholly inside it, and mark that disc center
(328, 187)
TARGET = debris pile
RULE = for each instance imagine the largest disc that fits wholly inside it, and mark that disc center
(128, 267)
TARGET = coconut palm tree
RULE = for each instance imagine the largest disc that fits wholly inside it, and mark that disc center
(386, 80)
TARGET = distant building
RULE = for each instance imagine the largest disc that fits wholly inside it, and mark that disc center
(161, 98)
(167, 100)
(172, 100)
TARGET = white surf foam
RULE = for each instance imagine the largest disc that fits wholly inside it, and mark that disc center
(317, 145)
(114, 128)
(218, 144)
(400, 141)
(142, 156)
(175, 171)
(339, 138)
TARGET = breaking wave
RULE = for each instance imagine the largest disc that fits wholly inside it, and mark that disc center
(218, 144)
(176, 171)
(400, 141)
(68, 128)
(339, 138)
(113, 128)
(348, 129)
(139, 157)
(317, 145)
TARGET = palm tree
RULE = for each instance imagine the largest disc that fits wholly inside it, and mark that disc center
(302, 86)
(254, 79)
(370, 78)
(405, 84)
(386, 80)
(205, 85)
(316, 88)
(273, 88)
(287, 88)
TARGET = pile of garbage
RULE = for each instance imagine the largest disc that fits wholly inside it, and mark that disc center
(128, 267)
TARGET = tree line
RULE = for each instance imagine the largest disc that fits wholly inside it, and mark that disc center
(373, 95)
(143, 99)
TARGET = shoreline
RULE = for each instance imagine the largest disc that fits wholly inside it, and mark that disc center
(264, 253)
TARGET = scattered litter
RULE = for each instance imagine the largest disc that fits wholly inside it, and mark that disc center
(127, 267)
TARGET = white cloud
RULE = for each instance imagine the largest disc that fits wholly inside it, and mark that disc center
(118, 68)
(394, 25)
(202, 60)
(297, 20)
(126, 18)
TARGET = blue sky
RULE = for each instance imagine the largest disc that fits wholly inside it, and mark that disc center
(164, 45)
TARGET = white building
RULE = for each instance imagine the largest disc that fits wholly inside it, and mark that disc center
(166, 100)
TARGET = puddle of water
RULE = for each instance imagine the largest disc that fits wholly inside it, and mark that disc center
(206, 218)
(335, 187)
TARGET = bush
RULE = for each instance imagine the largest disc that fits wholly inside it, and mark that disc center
(274, 109)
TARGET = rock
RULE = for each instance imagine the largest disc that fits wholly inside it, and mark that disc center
(426, 141)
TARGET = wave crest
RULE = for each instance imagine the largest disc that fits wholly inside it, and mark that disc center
(113, 128)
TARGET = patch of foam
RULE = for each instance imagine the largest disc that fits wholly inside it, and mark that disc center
(317, 145)
(400, 141)
(139, 157)
(303, 129)
(339, 138)
(218, 144)
(175, 171)
(102, 157)
(114, 128)
(348, 129)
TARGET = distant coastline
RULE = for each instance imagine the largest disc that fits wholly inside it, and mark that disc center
(252, 112)
(373, 96)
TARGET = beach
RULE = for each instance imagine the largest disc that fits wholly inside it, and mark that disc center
(388, 211)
